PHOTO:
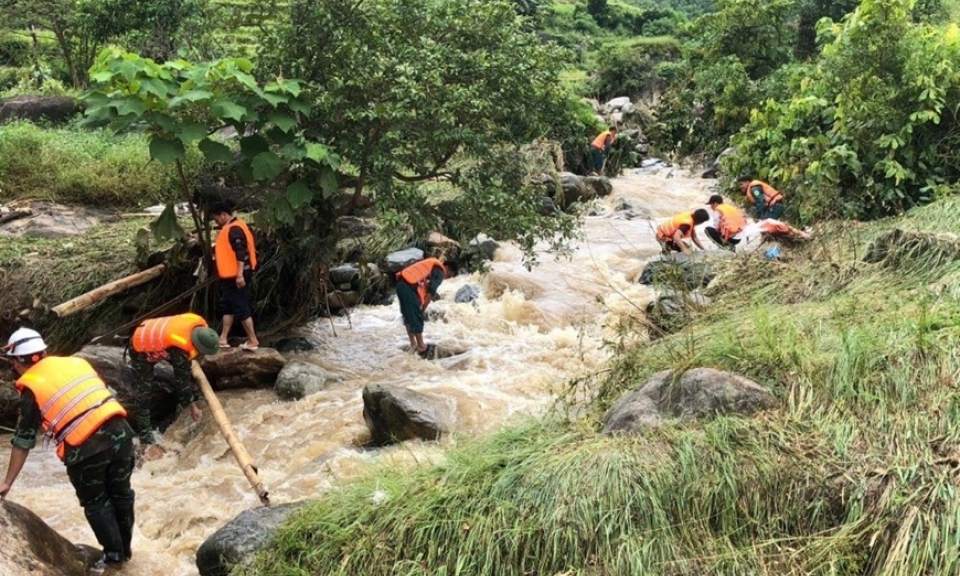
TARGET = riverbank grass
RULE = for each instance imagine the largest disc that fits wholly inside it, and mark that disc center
(855, 471)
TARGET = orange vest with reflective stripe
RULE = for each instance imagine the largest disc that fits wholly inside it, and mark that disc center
(770, 194)
(159, 334)
(74, 402)
(731, 221)
(600, 142)
(417, 275)
(227, 265)
(666, 230)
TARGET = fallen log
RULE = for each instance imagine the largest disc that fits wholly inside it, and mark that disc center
(15, 216)
(239, 452)
(97, 294)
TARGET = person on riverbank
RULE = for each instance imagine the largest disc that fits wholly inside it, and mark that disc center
(728, 221)
(672, 233)
(177, 340)
(236, 259)
(600, 148)
(67, 399)
(766, 200)
(416, 287)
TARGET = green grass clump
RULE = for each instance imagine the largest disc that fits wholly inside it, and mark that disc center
(855, 472)
(80, 167)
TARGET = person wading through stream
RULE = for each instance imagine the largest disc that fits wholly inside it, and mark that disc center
(672, 233)
(236, 259)
(416, 286)
(178, 340)
(66, 397)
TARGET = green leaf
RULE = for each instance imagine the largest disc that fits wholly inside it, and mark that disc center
(166, 151)
(316, 152)
(328, 182)
(191, 131)
(215, 151)
(228, 109)
(253, 144)
(166, 226)
(266, 166)
(299, 194)
(282, 121)
(293, 152)
(131, 105)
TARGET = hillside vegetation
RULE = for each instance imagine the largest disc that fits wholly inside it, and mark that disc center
(855, 472)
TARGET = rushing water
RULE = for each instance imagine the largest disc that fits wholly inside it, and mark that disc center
(529, 334)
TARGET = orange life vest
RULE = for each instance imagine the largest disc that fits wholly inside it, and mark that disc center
(731, 221)
(770, 194)
(666, 230)
(74, 402)
(227, 265)
(156, 335)
(418, 274)
(600, 142)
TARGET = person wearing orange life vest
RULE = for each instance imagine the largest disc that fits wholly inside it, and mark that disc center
(600, 147)
(67, 399)
(416, 286)
(236, 259)
(767, 201)
(672, 233)
(178, 340)
(728, 221)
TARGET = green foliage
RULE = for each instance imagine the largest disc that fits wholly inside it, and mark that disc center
(870, 129)
(182, 105)
(631, 69)
(81, 167)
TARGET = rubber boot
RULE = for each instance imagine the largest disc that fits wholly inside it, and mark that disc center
(103, 521)
(125, 518)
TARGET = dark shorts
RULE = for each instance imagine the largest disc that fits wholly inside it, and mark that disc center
(598, 158)
(410, 307)
(233, 300)
(775, 211)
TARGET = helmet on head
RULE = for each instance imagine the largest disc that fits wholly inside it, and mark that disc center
(206, 340)
(25, 342)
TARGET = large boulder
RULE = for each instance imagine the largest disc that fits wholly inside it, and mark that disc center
(36, 108)
(345, 276)
(716, 169)
(397, 261)
(601, 185)
(394, 414)
(673, 309)
(300, 378)
(694, 394)
(235, 368)
(572, 188)
(239, 540)
(54, 221)
(31, 548)
(9, 404)
(442, 247)
(678, 271)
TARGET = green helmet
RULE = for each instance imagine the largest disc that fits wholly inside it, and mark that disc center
(206, 340)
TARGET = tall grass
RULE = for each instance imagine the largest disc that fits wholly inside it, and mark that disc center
(855, 472)
(80, 167)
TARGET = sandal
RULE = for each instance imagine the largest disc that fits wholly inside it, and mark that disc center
(246, 346)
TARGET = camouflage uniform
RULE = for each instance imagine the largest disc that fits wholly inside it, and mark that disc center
(143, 363)
(99, 470)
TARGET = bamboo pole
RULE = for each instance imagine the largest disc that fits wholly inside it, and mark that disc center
(109, 289)
(239, 452)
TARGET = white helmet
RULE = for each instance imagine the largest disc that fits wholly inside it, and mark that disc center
(25, 342)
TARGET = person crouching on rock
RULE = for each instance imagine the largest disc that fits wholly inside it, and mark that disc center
(728, 221)
(178, 340)
(66, 397)
(416, 286)
(672, 233)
